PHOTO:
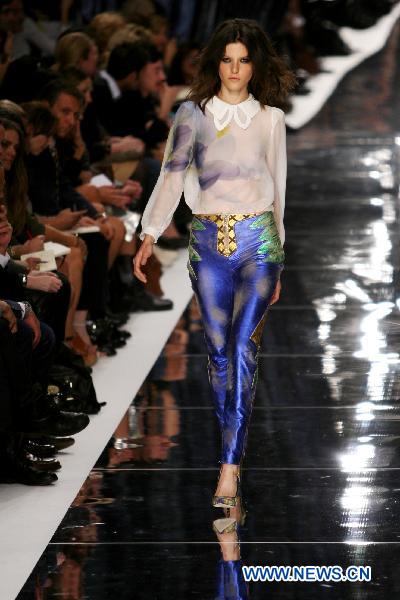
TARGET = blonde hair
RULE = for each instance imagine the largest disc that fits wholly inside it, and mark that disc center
(102, 27)
(130, 33)
(71, 49)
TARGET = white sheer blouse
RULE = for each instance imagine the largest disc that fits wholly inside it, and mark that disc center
(230, 160)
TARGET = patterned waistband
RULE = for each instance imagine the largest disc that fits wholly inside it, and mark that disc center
(226, 235)
(217, 218)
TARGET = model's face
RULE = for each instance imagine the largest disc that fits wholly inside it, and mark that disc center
(67, 111)
(10, 144)
(235, 68)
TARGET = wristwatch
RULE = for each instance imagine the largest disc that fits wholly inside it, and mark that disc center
(24, 279)
(28, 309)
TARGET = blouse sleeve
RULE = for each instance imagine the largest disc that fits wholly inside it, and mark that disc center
(169, 187)
(277, 164)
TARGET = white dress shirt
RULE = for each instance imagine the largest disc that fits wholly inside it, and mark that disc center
(229, 160)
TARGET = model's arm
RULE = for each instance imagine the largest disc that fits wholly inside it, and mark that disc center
(168, 190)
(277, 164)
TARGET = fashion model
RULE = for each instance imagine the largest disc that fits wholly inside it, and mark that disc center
(227, 152)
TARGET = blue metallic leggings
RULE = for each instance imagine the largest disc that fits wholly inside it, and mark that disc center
(235, 262)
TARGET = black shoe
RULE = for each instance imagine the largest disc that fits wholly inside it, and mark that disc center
(118, 318)
(145, 301)
(65, 399)
(38, 449)
(43, 464)
(103, 332)
(173, 243)
(60, 443)
(59, 424)
(14, 470)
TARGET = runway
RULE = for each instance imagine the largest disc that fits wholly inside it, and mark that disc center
(321, 474)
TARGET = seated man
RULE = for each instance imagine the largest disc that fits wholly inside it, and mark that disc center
(129, 107)
(26, 355)
(26, 351)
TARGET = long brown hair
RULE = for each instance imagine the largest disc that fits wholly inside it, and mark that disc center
(17, 183)
(272, 80)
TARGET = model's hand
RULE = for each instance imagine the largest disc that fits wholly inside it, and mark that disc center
(142, 255)
(277, 292)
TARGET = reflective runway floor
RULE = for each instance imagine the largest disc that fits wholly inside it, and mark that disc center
(322, 470)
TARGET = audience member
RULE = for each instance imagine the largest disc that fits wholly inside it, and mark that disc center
(27, 36)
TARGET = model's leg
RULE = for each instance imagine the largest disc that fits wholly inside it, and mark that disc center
(258, 265)
(255, 283)
(212, 282)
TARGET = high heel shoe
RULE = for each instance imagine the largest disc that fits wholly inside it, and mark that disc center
(238, 513)
(227, 501)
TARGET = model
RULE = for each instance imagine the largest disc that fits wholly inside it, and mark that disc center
(227, 152)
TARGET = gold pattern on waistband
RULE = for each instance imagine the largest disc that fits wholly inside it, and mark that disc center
(226, 238)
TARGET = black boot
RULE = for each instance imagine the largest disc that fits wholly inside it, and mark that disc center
(124, 267)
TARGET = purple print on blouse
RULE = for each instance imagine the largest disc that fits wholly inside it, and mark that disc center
(178, 158)
(210, 172)
(198, 154)
(219, 169)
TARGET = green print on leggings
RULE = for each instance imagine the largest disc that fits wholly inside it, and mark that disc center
(197, 224)
(271, 245)
(193, 254)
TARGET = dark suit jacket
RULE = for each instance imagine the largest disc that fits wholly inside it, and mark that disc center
(11, 283)
(50, 190)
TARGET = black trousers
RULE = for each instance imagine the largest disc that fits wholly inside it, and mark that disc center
(52, 309)
(21, 367)
(94, 294)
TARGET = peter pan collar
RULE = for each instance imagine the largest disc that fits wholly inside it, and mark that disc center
(241, 113)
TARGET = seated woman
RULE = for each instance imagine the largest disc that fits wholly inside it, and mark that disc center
(30, 235)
